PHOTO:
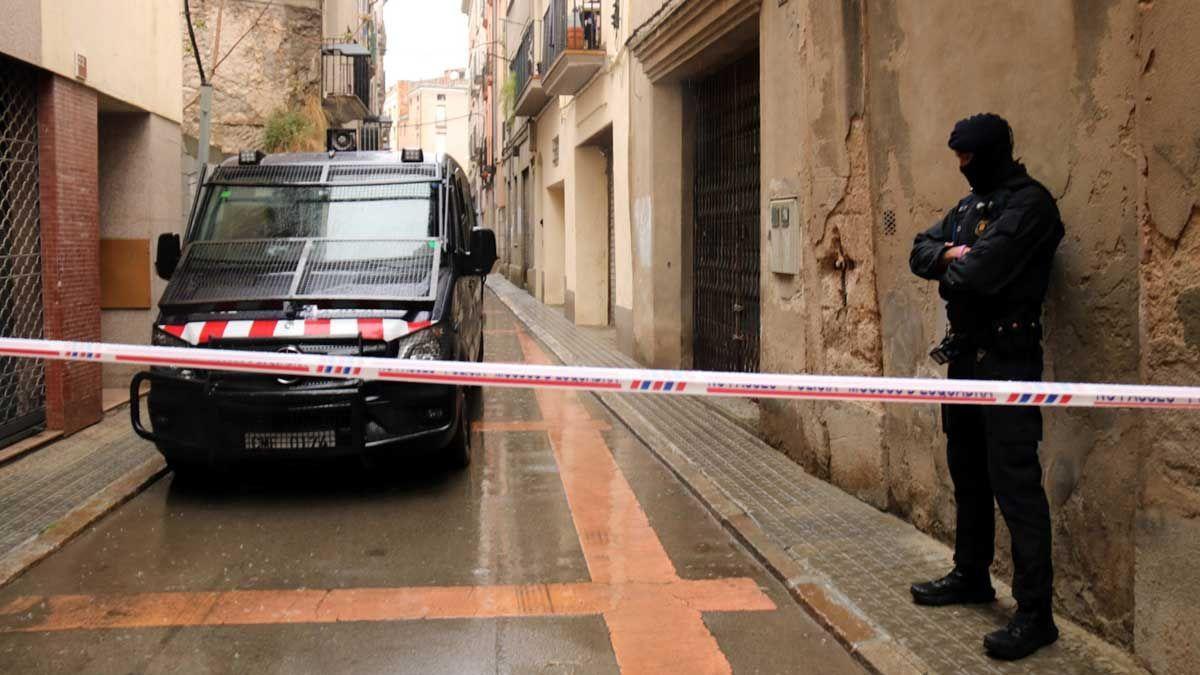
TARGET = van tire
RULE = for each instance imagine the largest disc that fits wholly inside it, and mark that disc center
(458, 450)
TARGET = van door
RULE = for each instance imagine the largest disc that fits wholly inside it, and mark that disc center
(467, 308)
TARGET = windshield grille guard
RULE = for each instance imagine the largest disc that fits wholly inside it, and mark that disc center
(306, 175)
(309, 269)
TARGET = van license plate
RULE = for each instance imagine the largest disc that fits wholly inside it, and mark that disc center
(290, 440)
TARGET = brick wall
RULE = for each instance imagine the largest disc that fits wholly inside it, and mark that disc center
(70, 224)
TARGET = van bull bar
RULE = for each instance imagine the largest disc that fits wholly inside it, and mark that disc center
(627, 380)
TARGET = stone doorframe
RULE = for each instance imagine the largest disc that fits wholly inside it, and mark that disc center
(685, 39)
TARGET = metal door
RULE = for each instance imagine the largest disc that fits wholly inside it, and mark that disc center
(527, 229)
(22, 381)
(726, 237)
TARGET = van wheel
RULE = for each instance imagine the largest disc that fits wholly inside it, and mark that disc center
(192, 471)
(475, 394)
(458, 450)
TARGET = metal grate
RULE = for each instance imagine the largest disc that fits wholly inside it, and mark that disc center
(277, 174)
(354, 174)
(22, 381)
(726, 240)
(369, 269)
(889, 223)
(233, 271)
(251, 270)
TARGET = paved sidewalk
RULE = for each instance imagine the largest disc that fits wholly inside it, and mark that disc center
(50, 494)
(847, 562)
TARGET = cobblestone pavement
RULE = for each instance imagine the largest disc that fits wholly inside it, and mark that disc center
(865, 557)
(39, 490)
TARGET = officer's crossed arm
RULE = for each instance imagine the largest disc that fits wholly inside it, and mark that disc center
(1004, 250)
(926, 259)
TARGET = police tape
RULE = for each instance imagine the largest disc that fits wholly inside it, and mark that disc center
(627, 380)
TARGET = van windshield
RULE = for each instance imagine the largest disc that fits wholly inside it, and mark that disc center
(403, 210)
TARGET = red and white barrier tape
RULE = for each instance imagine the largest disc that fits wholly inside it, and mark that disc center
(631, 380)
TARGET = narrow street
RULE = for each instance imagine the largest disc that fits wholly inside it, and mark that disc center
(566, 547)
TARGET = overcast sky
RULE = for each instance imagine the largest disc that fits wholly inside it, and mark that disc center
(424, 38)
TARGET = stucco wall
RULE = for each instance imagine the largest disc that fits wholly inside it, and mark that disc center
(1167, 137)
(21, 30)
(133, 48)
(140, 193)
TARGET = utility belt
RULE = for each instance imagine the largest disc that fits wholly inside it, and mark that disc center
(1012, 336)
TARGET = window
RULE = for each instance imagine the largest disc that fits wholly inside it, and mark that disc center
(439, 116)
(346, 211)
(441, 97)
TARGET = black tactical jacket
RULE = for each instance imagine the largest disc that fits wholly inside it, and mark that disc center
(999, 286)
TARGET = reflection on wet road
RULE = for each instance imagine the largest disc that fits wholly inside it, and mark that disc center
(565, 548)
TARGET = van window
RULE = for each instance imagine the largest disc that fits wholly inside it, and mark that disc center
(343, 211)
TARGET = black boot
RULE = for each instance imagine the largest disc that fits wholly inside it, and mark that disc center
(1025, 634)
(959, 587)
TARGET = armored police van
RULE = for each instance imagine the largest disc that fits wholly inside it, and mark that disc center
(356, 253)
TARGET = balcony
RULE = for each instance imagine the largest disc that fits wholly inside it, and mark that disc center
(527, 70)
(573, 45)
(345, 82)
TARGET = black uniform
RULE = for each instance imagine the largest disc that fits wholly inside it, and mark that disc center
(994, 300)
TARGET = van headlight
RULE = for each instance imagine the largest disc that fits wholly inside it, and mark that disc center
(161, 338)
(427, 344)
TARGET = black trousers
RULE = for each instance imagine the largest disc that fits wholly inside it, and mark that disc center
(993, 453)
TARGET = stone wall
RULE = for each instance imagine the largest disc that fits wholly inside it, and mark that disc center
(858, 99)
(276, 64)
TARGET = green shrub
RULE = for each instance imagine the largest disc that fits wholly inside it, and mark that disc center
(286, 131)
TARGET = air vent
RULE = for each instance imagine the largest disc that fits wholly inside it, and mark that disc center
(889, 223)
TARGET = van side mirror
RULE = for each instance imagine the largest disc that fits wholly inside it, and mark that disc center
(483, 252)
(169, 252)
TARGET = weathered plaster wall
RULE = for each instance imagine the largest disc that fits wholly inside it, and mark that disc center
(1167, 528)
(826, 319)
(277, 66)
(861, 133)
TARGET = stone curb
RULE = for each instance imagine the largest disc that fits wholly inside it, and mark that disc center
(25, 446)
(36, 548)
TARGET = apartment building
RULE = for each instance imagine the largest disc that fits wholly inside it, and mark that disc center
(487, 70)
(565, 157)
(89, 176)
(439, 116)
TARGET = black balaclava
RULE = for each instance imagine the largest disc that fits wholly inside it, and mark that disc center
(990, 140)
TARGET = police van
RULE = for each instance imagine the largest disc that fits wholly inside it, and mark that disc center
(373, 254)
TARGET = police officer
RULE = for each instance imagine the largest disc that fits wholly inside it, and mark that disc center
(991, 255)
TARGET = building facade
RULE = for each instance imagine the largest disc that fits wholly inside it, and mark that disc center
(771, 163)
(438, 116)
(89, 176)
(563, 164)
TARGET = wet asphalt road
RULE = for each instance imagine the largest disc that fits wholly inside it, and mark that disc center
(566, 547)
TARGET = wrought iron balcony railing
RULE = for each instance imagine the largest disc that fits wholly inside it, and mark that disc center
(346, 80)
(573, 45)
(571, 25)
(523, 64)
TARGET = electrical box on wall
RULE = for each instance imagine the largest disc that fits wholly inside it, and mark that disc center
(783, 237)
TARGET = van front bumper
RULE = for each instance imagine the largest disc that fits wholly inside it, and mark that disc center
(220, 416)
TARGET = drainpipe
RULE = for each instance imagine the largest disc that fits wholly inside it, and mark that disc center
(205, 97)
